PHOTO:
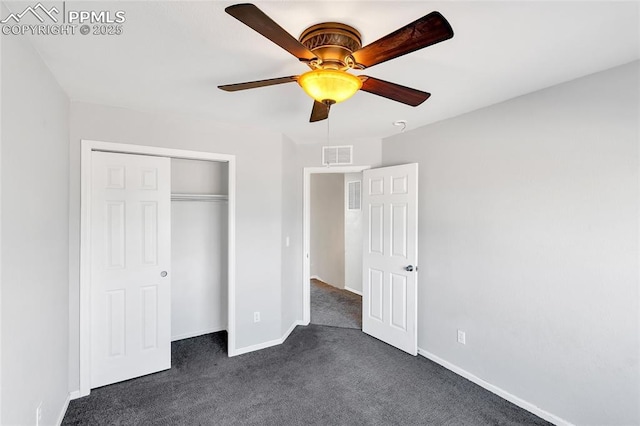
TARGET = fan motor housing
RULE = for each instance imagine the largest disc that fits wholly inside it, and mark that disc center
(333, 43)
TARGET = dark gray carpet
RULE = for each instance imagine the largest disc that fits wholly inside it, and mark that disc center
(319, 376)
(335, 307)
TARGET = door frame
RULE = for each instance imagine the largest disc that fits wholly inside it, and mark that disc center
(306, 230)
(86, 149)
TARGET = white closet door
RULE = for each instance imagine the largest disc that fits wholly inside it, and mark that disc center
(130, 263)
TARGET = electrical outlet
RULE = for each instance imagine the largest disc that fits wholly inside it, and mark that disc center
(462, 337)
(256, 317)
(39, 414)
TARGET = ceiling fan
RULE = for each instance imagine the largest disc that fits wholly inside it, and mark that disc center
(330, 49)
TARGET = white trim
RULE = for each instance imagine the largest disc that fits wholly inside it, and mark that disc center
(86, 147)
(196, 333)
(496, 390)
(287, 333)
(306, 230)
(315, 277)
(270, 343)
(353, 290)
(64, 410)
(155, 151)
(74, 395)
(257, 347)
(231, 267)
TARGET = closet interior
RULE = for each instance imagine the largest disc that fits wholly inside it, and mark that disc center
(199, 232)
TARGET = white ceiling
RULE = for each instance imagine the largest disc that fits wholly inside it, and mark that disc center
(172, 56)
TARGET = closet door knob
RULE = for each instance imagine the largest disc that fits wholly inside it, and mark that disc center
(163, 274)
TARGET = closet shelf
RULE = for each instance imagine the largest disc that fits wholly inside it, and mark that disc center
(199, 197)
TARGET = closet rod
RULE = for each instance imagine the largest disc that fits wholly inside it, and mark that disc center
(199, 197)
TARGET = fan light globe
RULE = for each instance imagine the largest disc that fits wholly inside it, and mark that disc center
(329, 85)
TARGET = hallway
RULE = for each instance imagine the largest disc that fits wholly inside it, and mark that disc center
(335, 307)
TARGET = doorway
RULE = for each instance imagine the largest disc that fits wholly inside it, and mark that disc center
(336, 250)
(389, 255)
(88, 148)
(339, 273)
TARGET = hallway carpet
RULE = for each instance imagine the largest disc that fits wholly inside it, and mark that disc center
(318, 376)
(335, 307)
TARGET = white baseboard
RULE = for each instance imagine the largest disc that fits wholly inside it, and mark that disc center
(286, 334)
(270, 343)
(352, 290)
(75, 395)
(315, 277)
(257, 347)
(196, 333)
(64, 410)
(496, 390)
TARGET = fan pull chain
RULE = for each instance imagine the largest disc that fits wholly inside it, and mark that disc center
(328, 130)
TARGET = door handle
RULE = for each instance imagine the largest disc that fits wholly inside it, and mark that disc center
(163, 274)
(408, 268)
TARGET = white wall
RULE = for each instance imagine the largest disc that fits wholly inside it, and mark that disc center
(258, 203)
(35, 202)
(327, 228)
(198, 249)
(528, 233)
(352, 239)
(291, 264)
(199, 177)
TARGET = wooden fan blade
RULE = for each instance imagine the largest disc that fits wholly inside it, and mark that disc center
(256, 19)
(259, 83)
(394, 91)
(430, 29)
(319, 112)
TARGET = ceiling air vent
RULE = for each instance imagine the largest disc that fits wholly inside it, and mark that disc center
(337, 155)
(353, 194)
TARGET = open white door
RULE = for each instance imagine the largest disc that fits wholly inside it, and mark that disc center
(390, 254)
(130, 261)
